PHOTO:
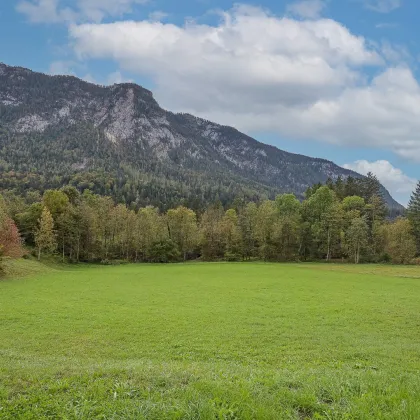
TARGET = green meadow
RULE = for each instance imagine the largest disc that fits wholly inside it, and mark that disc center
(211, 341)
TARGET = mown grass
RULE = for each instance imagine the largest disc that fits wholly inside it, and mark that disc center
(211, 341)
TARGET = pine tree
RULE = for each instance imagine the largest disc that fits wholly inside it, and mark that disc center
(339, 188)
(372, 191)
(44, 236)
(350, 187)
(376, 209)
(371, 186)
(413, 213)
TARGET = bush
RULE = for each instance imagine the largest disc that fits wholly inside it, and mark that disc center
(165, 251)
(385, 258)
(231, 256)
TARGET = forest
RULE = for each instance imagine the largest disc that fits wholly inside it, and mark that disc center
(345, 220)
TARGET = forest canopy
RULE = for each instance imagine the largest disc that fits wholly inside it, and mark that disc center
(345, 219)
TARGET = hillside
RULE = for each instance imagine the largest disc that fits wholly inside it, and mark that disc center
(118, 141)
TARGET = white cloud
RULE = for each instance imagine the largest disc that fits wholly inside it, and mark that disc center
(395, 53)
(386, 25)
(157, 16)
(116, 78)
(307, 9)
(392, 178)
(96, 10)
(62, 68)
(383, 6)
(261, 73)
(90, 79)
(51, 11)
(41, 11)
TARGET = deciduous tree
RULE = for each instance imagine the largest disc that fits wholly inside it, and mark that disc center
(45, 237)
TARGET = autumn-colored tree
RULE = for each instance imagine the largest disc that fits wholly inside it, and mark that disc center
(10, 240)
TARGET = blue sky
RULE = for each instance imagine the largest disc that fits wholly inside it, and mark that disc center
(336, 79)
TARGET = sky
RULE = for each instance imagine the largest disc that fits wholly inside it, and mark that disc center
(335, 79)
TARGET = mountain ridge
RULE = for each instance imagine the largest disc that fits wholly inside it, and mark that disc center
(85, 128)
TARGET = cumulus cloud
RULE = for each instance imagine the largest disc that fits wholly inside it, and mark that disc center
(383, 6)
(52, 11)
(392, 178)
(262, 73)
(308, 9)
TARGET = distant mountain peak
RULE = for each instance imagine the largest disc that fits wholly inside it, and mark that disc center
(64, 127)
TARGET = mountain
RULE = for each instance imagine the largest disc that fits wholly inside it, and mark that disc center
(118, 141)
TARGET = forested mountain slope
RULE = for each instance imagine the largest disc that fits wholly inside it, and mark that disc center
(118, 141)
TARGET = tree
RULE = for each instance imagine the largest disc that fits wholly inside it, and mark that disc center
(325, 214)
(72, 194)
(183, 230)
(56, 201)
(211, 232)
(44, 236)
(357, 238)
(289, 215)
(10, 240)
(232, 236)
(247, 225)
(331, 224)
(151, 229)
(320, 202)
(413, 214)
(354, 207)
(370, 186)
(400, 241)
(339, 188)
(267, 230)
(351, 187)
(372, 193)
(27, 222)
(354, 203)
(164, 251)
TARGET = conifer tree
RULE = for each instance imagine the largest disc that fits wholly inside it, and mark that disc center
(413, 213)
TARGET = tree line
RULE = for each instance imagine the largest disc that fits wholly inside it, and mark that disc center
(343, 220)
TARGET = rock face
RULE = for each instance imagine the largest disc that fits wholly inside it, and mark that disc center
(63, 127)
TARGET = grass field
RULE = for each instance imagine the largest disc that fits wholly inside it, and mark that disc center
(211, 341)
